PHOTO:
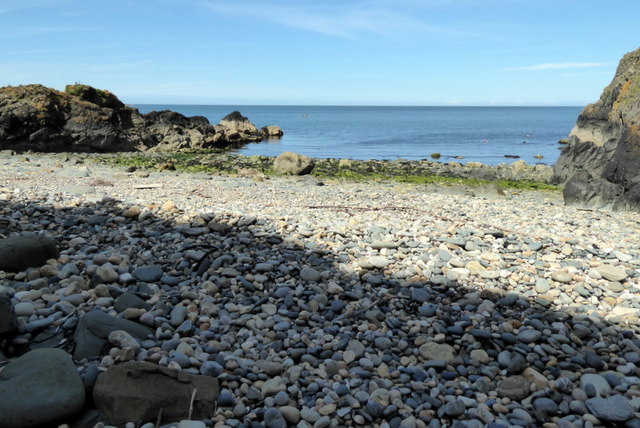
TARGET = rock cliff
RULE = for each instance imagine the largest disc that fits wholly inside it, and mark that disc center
(82, 118)
(600, 167)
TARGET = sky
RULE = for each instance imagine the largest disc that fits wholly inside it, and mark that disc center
(321, 52)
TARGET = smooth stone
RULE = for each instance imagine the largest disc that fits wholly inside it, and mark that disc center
(599, 383)
(544, 407)
(379, 262)
(150, 273)
(291, 414)
(269, 368)
(615, 408)
(419, 295)
(455, 408)
(129, 300)
(226, 398)
(38, 388)
(612, 273)
(310, 274)
(437, 351)
(514, 387)
(529, 336)
(24, 309)
(273, 386)
(273, 418)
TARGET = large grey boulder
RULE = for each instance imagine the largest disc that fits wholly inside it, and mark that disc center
(41, 387)
(289, 163)
(18, 253)
(142, 391)
(600, 167)
(92, 333)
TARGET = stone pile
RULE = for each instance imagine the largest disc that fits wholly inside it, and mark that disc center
(276, 303)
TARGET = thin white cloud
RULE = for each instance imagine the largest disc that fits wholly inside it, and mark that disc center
(21, 32)
(559, 66)
(344, 20)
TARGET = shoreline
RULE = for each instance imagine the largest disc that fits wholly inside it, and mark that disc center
(369, 303)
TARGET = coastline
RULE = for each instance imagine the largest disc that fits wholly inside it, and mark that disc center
(349, 301)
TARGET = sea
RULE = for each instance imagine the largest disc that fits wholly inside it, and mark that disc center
(490, 135)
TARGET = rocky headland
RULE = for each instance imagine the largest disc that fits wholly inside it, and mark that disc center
(85, 119)
(600, 166)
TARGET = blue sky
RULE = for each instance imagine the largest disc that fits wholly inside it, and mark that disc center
(328, 52)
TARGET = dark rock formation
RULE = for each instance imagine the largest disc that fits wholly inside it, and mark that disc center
(600, 166)
(83, 118)
(143, 392)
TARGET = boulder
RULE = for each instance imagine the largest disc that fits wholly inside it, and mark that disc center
(92, 333)
(8, 319)
(289, 163)
(600, 166)
(39, 388)
(85, 119)
(141, 391)
(20, 252)
(272, 132)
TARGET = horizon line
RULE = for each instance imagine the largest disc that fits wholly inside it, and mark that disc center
(364, 105)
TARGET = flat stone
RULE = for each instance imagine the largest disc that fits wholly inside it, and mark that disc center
(379, 262)
(529, 336)
(602, 387)
(612, 273)
(310, 274)
(40, 387)
(514, 387)
(151, 273)
(138, 391)
(437, 351)
(615, 408)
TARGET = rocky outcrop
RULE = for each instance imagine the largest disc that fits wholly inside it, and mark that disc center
(34, 117)
(600, 167)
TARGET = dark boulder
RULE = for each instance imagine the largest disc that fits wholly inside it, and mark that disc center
(20, 252)
(93, 330)
(600, 166)
(146, 392)
(40, 388)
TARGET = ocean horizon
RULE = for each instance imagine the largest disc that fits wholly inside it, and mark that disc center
(487, 134)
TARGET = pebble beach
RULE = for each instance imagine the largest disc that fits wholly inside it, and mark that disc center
(333, 303)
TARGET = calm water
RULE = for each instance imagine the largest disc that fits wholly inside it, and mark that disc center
(483, 134)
